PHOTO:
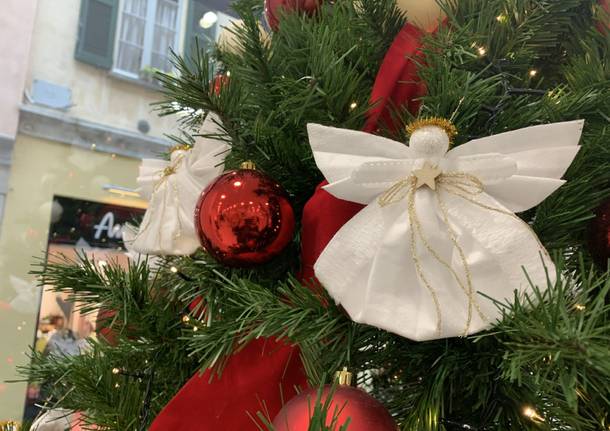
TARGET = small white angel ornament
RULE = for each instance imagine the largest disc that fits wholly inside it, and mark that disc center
(438, 241)
(172, 188)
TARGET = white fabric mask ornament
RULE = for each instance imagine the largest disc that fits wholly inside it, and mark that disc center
(173, 188)
(438, 236)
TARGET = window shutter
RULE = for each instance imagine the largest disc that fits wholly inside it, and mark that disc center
(96, 31)
(196, 9)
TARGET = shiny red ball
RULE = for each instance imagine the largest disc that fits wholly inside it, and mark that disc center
(599, 235)
(218, 83)
(244, 218)
(272, 8)
(364, 412)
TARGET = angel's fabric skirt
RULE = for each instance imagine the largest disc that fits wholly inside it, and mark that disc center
(168, 227)
(433, 266)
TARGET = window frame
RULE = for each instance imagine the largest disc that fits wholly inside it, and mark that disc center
(149, 33)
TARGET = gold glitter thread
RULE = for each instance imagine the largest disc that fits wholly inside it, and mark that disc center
(396, 192)
(465, 183)
(443, 123)
(470, 291)
(467, 291)
(412, 217)
(170, 170)
(180, 147)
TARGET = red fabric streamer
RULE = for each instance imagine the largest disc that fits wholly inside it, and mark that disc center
(604, 25)
(260, 378)
(397, 83)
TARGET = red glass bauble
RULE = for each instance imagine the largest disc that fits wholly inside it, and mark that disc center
(272, 9)
(219, 82)
(364, 412)
(599, 235)
(104, 326)
(244, 218)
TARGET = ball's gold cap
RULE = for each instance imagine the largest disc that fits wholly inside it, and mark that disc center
(444, 124)
(248, 164)
(343, 377)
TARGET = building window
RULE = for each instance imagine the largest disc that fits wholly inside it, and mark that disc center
(133, 38)
(147, 30)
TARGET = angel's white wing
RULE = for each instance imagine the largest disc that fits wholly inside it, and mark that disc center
(340, 153)
(150, 172)
(206, 159)
(542, 154)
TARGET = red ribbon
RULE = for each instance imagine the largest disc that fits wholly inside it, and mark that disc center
(260, 378)
(397, 84)
(603, 26)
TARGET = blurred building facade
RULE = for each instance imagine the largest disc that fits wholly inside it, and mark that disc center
(76, 88)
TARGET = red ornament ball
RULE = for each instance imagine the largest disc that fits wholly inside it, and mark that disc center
(599, 235)
(364, 412)
(272, 9)
(244, 218)
(219, 82)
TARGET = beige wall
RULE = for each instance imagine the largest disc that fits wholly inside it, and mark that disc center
(97, 95)
(16, 23)
(40, 170)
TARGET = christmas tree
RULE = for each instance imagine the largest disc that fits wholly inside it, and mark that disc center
(248, 311)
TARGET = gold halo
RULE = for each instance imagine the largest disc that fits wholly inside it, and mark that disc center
(444, 124)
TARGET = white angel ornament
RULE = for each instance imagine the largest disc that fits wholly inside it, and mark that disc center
(438, 240)
(173, 187)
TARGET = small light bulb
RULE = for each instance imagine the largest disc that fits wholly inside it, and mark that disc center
(228, 73)
(533, 72)
(93, 146)
(115, 371)
(174, 269)
(195, 329)
(186, 319)
(353, 106)
(580, 307)
(502, 18)
(116, 385)
(482, 51)
(532, 414)
(208, 19)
